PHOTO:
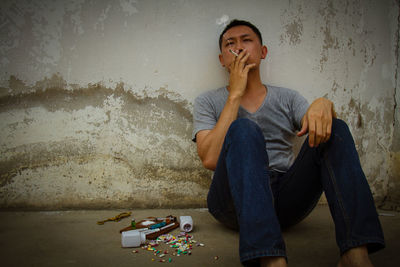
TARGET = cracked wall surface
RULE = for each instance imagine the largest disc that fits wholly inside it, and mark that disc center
(96, 96)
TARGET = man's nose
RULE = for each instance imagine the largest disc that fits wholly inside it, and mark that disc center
(239, 47)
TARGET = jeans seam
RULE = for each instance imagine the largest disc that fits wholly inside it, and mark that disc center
(338, 195)
(270, 188)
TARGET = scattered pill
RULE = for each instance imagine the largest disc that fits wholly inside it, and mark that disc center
(182, 245)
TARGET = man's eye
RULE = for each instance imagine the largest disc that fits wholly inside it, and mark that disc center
(229, 43)
(247, 40)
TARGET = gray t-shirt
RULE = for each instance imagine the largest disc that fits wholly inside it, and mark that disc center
(279, 117)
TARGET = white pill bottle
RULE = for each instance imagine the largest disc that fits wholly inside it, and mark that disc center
(186, 223)
(133, 238)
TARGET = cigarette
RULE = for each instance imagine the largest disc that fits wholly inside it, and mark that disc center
(233, 52)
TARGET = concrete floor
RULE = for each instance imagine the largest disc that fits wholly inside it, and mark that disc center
(72, 238)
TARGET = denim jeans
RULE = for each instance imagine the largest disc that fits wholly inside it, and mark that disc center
(247, 196)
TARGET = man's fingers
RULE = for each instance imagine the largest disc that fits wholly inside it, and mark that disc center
(319, 117)
(242, 61)
(248, 67)
(304, 128)
(319, 133)
(311, 133)
(328, 132)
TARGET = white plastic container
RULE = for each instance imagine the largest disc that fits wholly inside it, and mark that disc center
(186, 223)
(133, 238)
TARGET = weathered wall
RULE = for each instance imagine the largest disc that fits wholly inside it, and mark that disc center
(392, 198)
(96, 96)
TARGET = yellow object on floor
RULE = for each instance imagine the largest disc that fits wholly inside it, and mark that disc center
(116, 218)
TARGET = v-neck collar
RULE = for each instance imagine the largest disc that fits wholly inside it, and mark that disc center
(259, 108)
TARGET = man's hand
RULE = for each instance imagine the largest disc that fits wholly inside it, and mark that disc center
(318, 122)
(239, 70)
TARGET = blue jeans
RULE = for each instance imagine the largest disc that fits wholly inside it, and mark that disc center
(247, 196)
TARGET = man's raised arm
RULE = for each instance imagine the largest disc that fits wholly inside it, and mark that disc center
(209, 142)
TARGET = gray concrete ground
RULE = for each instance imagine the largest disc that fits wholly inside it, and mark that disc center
(72, 238)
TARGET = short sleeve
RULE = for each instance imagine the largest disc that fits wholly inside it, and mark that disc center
(204, 117)
(299, 109)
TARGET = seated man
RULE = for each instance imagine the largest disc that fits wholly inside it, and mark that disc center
(244, 133)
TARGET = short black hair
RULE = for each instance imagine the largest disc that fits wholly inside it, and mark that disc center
(235, 23)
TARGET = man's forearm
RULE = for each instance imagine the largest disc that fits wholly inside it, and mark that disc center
(210, 146)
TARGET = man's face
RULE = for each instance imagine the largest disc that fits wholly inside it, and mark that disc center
(239, 38)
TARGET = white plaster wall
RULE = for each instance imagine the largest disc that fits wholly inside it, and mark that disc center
(96, 96)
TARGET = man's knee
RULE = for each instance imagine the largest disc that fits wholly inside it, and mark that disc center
(340, 129)
(244, 129)
(338, 124)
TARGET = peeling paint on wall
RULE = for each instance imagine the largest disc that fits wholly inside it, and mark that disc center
(371, 141)
(96, 147)
(293, 25)
(343, 40)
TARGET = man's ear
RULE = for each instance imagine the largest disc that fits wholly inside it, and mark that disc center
(221, 60)
(264, 52)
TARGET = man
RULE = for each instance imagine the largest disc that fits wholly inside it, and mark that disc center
(244, 133)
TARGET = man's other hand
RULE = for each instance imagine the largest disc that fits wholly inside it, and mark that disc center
(317, 122)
